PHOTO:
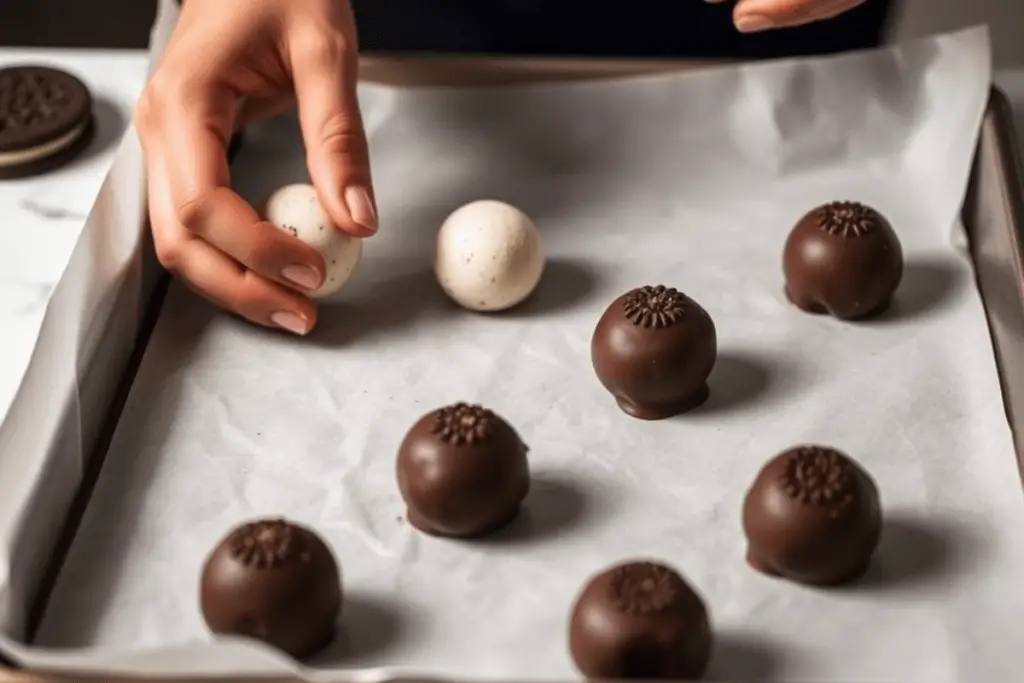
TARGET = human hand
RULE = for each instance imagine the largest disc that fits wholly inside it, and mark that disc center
(228, 63)
(752, 16)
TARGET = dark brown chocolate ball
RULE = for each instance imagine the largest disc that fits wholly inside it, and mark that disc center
(274, 581)
(462, 471)
(843, 259)
(812, 516)
(640, 620)
(653, 349)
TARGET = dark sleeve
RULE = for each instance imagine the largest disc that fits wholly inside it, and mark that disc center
(650, 28)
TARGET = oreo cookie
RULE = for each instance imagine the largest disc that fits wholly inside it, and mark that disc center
(46, 120)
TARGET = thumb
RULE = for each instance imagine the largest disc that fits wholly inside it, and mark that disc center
(325, 71)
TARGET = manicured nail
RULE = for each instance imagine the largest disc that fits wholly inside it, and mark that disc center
(752, 23)
(361, 207)
(303, 276)
(293, 322)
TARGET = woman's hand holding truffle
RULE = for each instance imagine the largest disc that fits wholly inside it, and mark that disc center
(226, 64)
(752, 16)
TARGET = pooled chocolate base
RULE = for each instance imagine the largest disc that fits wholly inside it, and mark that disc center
(420, 524)
(808, 305)
(842, 259)
(663, 411)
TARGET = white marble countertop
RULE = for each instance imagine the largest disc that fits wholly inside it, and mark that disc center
(40, 218)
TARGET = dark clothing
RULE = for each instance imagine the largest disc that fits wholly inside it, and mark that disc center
(648, 28)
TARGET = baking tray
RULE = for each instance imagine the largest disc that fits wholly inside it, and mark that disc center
(992, 215)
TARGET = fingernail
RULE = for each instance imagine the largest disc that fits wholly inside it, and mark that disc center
(361, 207)
(752, 23)
(303, 276)
(293, 322)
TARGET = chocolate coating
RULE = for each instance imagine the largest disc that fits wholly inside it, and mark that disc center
(653, 349)
(640, 620)
(843, 259)
(274, 581)
(812, 516)
(462, 471)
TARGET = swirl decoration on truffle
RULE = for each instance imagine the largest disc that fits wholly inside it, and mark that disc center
(819, 476)
(645, 588)
(847, 219)
(655, 307)
(463, 424)
(267, 544)
(26, 99)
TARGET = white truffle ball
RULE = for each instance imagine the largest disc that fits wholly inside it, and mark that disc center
(489, 256)
(296, 210)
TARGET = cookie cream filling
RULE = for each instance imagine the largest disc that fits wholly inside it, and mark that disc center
(24, 156)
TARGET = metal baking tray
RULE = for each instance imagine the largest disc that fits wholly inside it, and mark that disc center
(993, 215)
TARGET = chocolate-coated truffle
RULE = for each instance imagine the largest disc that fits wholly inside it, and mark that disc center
(640, 620)
(843, 259)
(462, 471)
(653, 349)
(812, 516)
(274, 581)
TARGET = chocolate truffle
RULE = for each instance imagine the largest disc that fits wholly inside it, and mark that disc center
(640, 620)
(842, 259)
(274, 581)
(812, 516)
(653, 349)
(462, 471)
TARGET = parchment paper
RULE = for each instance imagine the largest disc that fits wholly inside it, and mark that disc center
(692, 181)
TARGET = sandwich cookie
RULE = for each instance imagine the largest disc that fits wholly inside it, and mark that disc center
(46, 120)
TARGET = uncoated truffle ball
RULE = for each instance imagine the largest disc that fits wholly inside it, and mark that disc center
(843, 259)
(812, 516)
(296, 210)
(274, 581)
(489, 256)
(654, 349)
(462, 471)
(640, 620)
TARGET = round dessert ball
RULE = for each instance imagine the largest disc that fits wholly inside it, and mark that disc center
(462, 471)
(843, 259)
(640, 620)
(489, 256)
(296, 210)
(653, 349)
(812, 516)
(274, 581)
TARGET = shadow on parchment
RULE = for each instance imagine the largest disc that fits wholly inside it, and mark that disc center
(556, 505)
(741, 379)
(370, 626)
(744, 657)
(928, 285)
(918, 551)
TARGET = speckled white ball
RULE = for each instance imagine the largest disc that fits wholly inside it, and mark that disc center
(489, 256)
(297, 210)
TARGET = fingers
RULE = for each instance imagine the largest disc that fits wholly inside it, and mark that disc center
(192, 145)
(325, 72)
(214, 275)
(203, 231)
(752, 16)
